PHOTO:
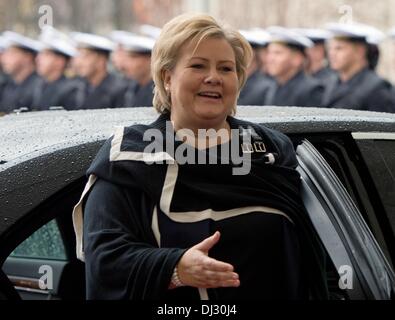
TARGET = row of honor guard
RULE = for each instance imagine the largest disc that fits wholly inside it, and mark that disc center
(75, 71)
(333, 68)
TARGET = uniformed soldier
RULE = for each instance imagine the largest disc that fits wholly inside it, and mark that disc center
(262, 50)
(317, 56)
(118, 55)
(18, 61)
(286, 62)
(357, 86)
(55, 89)
(100, 89)
(374, 38)
(136, 66)
(258, 84)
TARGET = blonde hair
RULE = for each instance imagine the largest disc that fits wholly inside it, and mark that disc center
(182, 30)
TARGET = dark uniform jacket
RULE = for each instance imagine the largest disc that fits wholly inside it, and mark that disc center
(255, 90)
(4, 79)
(137, 95)
(324, 74)
(136, 219)
(364, 91)
(21, 95)
(300, 91)
(106, 95)
(60, 93)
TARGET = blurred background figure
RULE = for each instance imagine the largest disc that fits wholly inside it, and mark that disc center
(262, 49)
(119, 53)
(18, 62)
(136, 67)
(286, 63)
(317, 57)
(374, 38)
(3, 77)
(357, 86)
(258, 84)
(55, 90)
(100, 89)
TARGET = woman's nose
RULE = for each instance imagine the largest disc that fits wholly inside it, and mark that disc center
(213, 78)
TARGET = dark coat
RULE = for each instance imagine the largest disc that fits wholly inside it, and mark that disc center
(324, 74)
(137, 96)
(60, 93)
(106, 95)
(300, 91)
(133, 238)
(4, 79)
(365, 91)
(255, 90)
(21, 95)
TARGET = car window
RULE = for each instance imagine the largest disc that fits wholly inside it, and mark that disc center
(379, 156)
(45, 243)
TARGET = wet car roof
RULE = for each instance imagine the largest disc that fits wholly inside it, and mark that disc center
(38, 132)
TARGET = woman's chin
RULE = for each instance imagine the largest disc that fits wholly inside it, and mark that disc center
(211, 115)
(211, 120)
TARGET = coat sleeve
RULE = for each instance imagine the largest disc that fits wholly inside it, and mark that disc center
(122, 260)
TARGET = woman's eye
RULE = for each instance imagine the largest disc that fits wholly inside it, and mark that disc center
(227, 69)
(197, 66)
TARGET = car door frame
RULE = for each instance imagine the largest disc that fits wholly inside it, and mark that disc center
(344, 233)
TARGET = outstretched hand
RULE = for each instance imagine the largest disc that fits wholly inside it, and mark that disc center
(197, 269)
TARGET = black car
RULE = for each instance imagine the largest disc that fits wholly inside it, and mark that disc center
(347, 164)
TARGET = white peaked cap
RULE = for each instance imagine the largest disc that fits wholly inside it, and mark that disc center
(281, 34)
(92, 41)
(55, 40)
(133, 42)
(17, 40)
(361, 31)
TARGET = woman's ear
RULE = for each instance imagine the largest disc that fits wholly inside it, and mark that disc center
(166, 78)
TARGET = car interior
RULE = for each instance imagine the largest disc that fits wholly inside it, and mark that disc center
(48, 241)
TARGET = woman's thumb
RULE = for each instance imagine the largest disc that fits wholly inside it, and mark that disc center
(208, 243)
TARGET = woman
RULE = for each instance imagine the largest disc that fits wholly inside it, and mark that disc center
(191, 231)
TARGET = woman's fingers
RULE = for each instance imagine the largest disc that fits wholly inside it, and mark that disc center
(221, 276)
(215, 265)
(219, 284)
(220, 279)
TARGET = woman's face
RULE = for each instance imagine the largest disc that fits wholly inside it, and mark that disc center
(203, 85)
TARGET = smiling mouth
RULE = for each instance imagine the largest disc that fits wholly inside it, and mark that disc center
(210, 95)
